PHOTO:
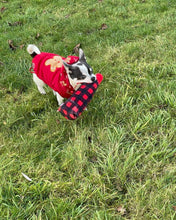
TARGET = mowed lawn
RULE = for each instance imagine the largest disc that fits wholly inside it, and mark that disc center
(118, 159)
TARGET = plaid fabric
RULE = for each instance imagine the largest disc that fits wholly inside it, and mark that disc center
(76, 104)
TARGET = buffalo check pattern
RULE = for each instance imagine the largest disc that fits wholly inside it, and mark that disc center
(76, 104)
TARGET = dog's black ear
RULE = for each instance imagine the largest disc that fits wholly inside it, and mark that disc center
(81, 55)
(66, 65)
(69, 68)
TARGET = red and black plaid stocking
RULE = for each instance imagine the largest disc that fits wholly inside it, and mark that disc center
(76, 104)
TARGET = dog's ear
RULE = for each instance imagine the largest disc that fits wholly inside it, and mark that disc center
(66, 65)
(81, 55)
(69, 68)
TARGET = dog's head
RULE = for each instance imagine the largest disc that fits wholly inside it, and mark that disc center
(80, 72)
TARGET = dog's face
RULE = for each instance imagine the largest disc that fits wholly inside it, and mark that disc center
(80, 72)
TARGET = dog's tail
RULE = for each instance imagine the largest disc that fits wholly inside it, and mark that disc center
(33, 50)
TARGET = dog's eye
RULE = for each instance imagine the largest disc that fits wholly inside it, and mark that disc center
(90, 71)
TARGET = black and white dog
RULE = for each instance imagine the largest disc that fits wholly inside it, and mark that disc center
(66, 74)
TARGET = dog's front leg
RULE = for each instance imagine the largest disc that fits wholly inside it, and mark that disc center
(59, 98)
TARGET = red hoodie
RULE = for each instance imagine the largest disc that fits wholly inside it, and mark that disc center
(50, 69)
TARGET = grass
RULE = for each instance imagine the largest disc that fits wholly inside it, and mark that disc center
(117, 161)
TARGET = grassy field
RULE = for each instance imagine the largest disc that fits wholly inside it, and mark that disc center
(117, 161)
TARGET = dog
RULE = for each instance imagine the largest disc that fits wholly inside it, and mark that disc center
(62, 75)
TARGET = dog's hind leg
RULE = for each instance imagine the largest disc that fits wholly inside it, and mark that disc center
(40, 84)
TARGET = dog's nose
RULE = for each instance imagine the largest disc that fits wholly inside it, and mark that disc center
(93, 78)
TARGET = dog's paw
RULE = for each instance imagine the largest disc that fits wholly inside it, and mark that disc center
(60, 103)
(43, 93)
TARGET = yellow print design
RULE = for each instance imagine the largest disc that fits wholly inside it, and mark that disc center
(55, 62)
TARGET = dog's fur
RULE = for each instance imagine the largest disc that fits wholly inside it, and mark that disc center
(79, 72)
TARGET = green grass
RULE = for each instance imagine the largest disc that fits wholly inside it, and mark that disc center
(117, 161)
